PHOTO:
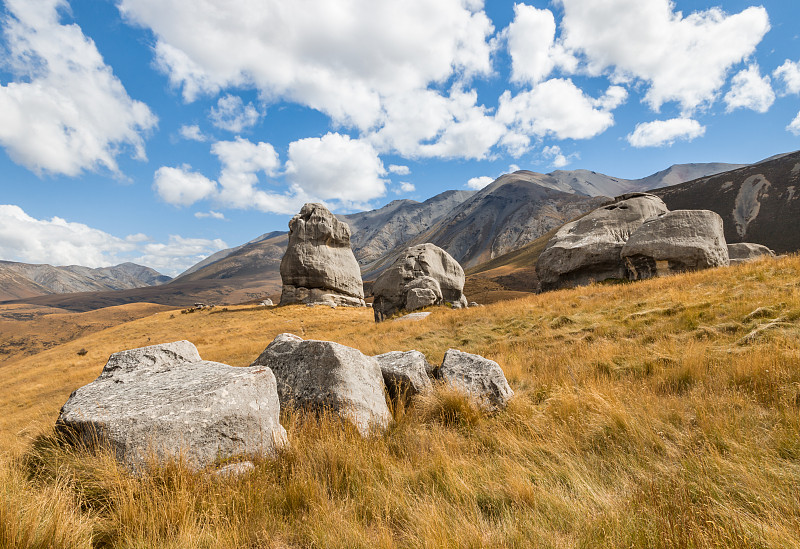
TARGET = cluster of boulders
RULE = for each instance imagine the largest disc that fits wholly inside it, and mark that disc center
(319, 268)
(164, 401)
(636, 237)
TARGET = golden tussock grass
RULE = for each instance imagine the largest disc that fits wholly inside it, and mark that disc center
(657, 414)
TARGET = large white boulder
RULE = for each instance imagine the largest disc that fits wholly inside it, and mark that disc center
(674, 242)
(323, 375)
(164, 401)
(747, 251)
(423, 275)
(319, 265)
(480, 378)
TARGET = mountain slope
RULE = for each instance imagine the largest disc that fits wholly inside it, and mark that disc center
(758, 203)
(22, 280)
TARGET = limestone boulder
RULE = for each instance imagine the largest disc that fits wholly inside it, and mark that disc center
(164, 401)
(323, 375)
(319, 265)
(405, 373)
(422, 276)
(677, 241)
(588, 249)
(480, 378)
(747, 251)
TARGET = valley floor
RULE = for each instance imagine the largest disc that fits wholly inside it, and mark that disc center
(664, 413)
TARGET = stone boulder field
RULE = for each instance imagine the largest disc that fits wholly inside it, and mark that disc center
(662, 413)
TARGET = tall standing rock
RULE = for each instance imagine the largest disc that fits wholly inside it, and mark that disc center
(588, 249)
(319, 265)
(677, 241)
(423, 275)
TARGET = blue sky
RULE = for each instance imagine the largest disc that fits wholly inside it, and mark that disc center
(160, 131)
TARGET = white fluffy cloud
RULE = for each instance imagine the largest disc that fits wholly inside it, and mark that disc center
(399, 170)
(789, 73)
(407, 187)
(209, 214)
(683, 59)
(181, 186)
(794, 125)
(342, 62)
(532, 46)
(192, 133)
(665, 132)
(64, 111)
(477, 183)
(60, 242)
(336, 167)
(556, 108)
(749, 90)
(233, 115)
(558, 158)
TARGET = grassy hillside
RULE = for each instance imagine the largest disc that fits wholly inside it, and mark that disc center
(664, 414)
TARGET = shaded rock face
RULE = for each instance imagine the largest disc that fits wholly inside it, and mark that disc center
(747, 251)
(319, 265)
(423, 275)
(683, 240)
(323, 375)
(479, 377)
(588, 249)
(165, 401)
(405, 373)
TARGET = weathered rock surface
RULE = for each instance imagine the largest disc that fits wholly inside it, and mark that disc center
(319, 265)
(165, 401)
(678, 241)
(405, 373)
(320, 375)
(588, 249)
(747, 251)
(423, 273)
(414, 317)
(479, 377)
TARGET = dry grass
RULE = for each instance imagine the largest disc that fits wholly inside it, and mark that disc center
(655, 414)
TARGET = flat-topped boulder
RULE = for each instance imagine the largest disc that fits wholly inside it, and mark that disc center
(422, 276)
(674, 242)
(588, 249)
(319, 265)
(323, 375)
(164, 401)
(747, 251)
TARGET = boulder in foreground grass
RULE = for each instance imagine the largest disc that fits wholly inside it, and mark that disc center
(323, 375)
(405, 373)
(164, 401)
(479, 377)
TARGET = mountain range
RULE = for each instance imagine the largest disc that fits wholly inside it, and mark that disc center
(508, 218)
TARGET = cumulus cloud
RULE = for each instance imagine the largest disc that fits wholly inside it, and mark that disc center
(405, 187)
(181, 186)
(64, 111)
(399, 170)
(343, 63)
(178, 253)
(794, 125)
(789, 73)
(233, 115)
(531, 44)
(682, 58)
(60, 242)
(556, 108)
(558, 158)
(749, 90)
(209, 214)
(477, 183)
(336, 167)
(192, 133)
(665, 132)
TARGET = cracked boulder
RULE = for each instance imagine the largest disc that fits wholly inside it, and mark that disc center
(164, 401)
